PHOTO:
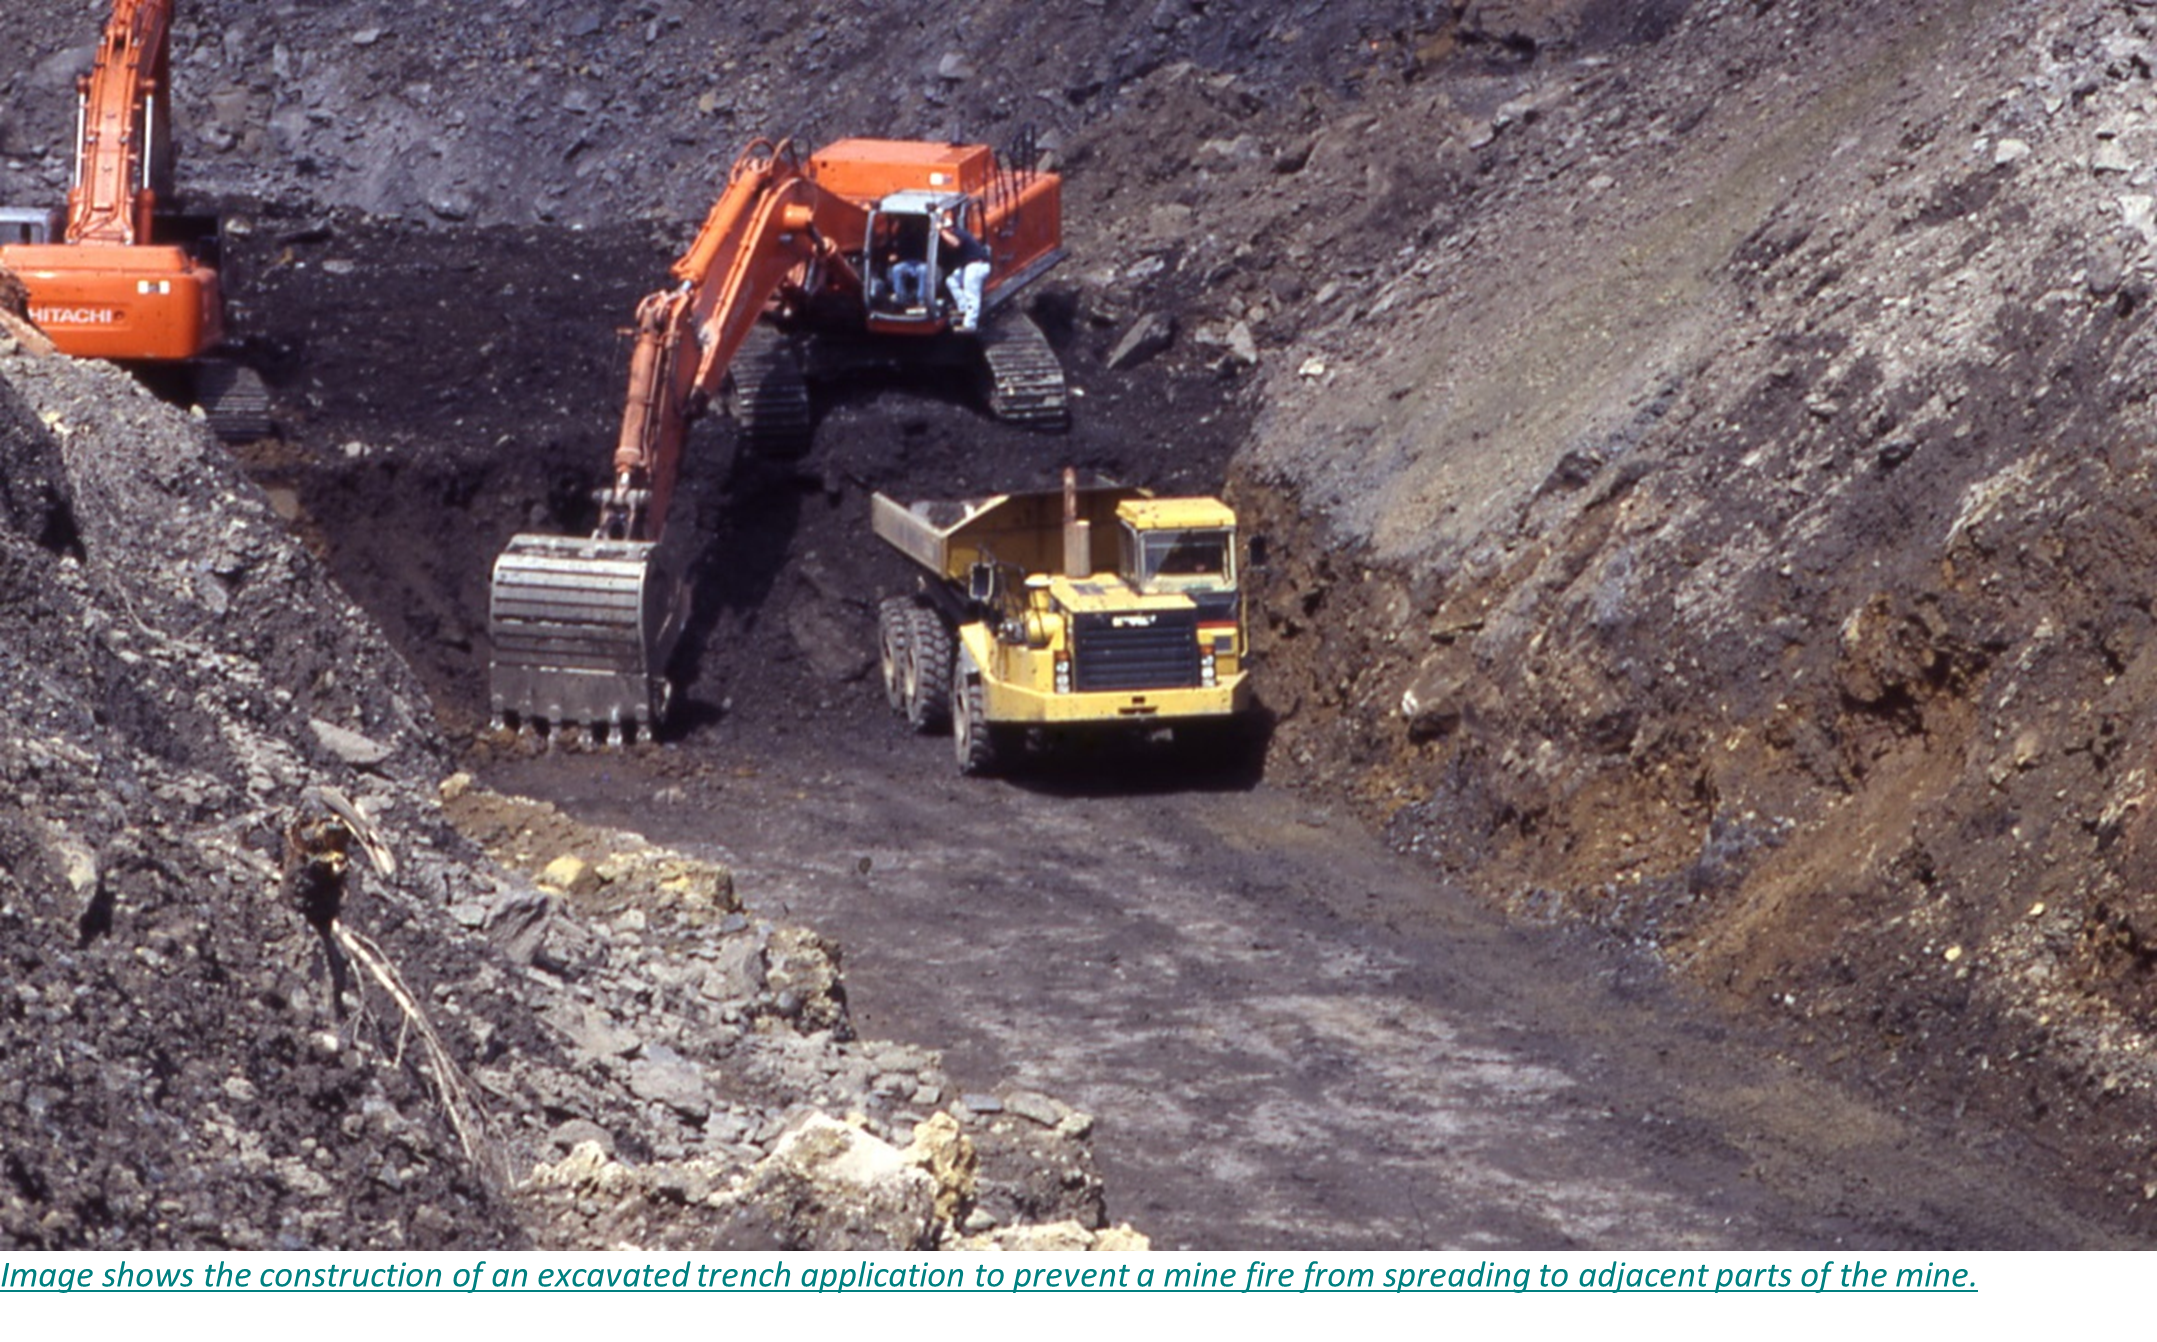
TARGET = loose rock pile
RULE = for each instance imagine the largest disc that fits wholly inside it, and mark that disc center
(261, 992)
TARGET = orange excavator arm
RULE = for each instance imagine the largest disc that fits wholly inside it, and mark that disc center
(583, 628)
(771, 231)
(124, 105)
(109, 289)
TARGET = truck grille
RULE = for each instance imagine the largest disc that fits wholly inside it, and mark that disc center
(1151, 650)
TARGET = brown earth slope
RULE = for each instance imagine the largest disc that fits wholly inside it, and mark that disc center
(1729, 527)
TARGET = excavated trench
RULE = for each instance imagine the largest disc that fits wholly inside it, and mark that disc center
(1288, 1034)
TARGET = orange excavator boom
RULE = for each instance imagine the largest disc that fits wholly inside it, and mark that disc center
(107, 288)
(123, 114)
(767, 228)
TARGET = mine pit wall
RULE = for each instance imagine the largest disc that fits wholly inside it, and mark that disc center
(1724, 528)
(1770, 586)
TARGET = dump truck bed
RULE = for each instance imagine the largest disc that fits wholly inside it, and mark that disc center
(1023, 530)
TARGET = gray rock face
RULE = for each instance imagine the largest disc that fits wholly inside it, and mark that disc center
(578, 1131)
(664, 1076)
(516, 924)
(737, 970)
(566, 112)
(1035, 1107)
(593, 1033)
(349, 746)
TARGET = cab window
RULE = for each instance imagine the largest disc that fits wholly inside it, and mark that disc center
(1178, 561)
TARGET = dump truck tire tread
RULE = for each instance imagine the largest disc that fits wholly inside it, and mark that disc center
(974, 741)
(929, 651)
(893, 620)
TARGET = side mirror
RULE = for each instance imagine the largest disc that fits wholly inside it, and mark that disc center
(981, 583)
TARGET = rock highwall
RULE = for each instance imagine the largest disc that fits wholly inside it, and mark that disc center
(1729, 526)
(561, 111)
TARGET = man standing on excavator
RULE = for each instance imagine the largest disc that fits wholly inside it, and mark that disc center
(966, 263)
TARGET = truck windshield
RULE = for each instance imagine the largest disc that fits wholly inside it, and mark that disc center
(1180, 561)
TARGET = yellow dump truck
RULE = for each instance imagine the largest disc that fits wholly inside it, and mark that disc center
(1090, 608)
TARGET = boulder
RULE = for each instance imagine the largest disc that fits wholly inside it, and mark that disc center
(665, 1077)
(1147, 337)
(834, 1187)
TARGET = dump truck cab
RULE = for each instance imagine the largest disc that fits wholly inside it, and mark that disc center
(1177, 545)
(1187, 548)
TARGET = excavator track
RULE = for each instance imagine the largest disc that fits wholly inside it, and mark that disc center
(1025, 378)
(768, 396)
(582, 632)
(234, 399)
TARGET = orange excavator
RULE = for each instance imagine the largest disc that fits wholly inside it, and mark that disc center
(104, 281)
(806, 269)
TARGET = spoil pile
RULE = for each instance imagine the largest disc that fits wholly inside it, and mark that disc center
(263, 992)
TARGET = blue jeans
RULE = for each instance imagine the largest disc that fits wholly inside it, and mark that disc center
(909, 281)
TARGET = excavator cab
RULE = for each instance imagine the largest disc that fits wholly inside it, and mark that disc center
(903, 262)
(23, 226)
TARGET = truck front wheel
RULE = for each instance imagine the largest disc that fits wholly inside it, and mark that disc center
(973, 740)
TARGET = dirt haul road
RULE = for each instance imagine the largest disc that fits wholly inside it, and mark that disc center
(1286, 1039)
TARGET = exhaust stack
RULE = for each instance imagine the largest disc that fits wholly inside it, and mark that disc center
(1078, 533)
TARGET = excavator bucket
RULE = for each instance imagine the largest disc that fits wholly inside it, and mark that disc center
(582, 633)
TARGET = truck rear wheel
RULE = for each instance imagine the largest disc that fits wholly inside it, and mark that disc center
(973, 740)
(928, 657)
(892, 618)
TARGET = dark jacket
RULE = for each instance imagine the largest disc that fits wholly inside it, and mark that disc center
(962, 248)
